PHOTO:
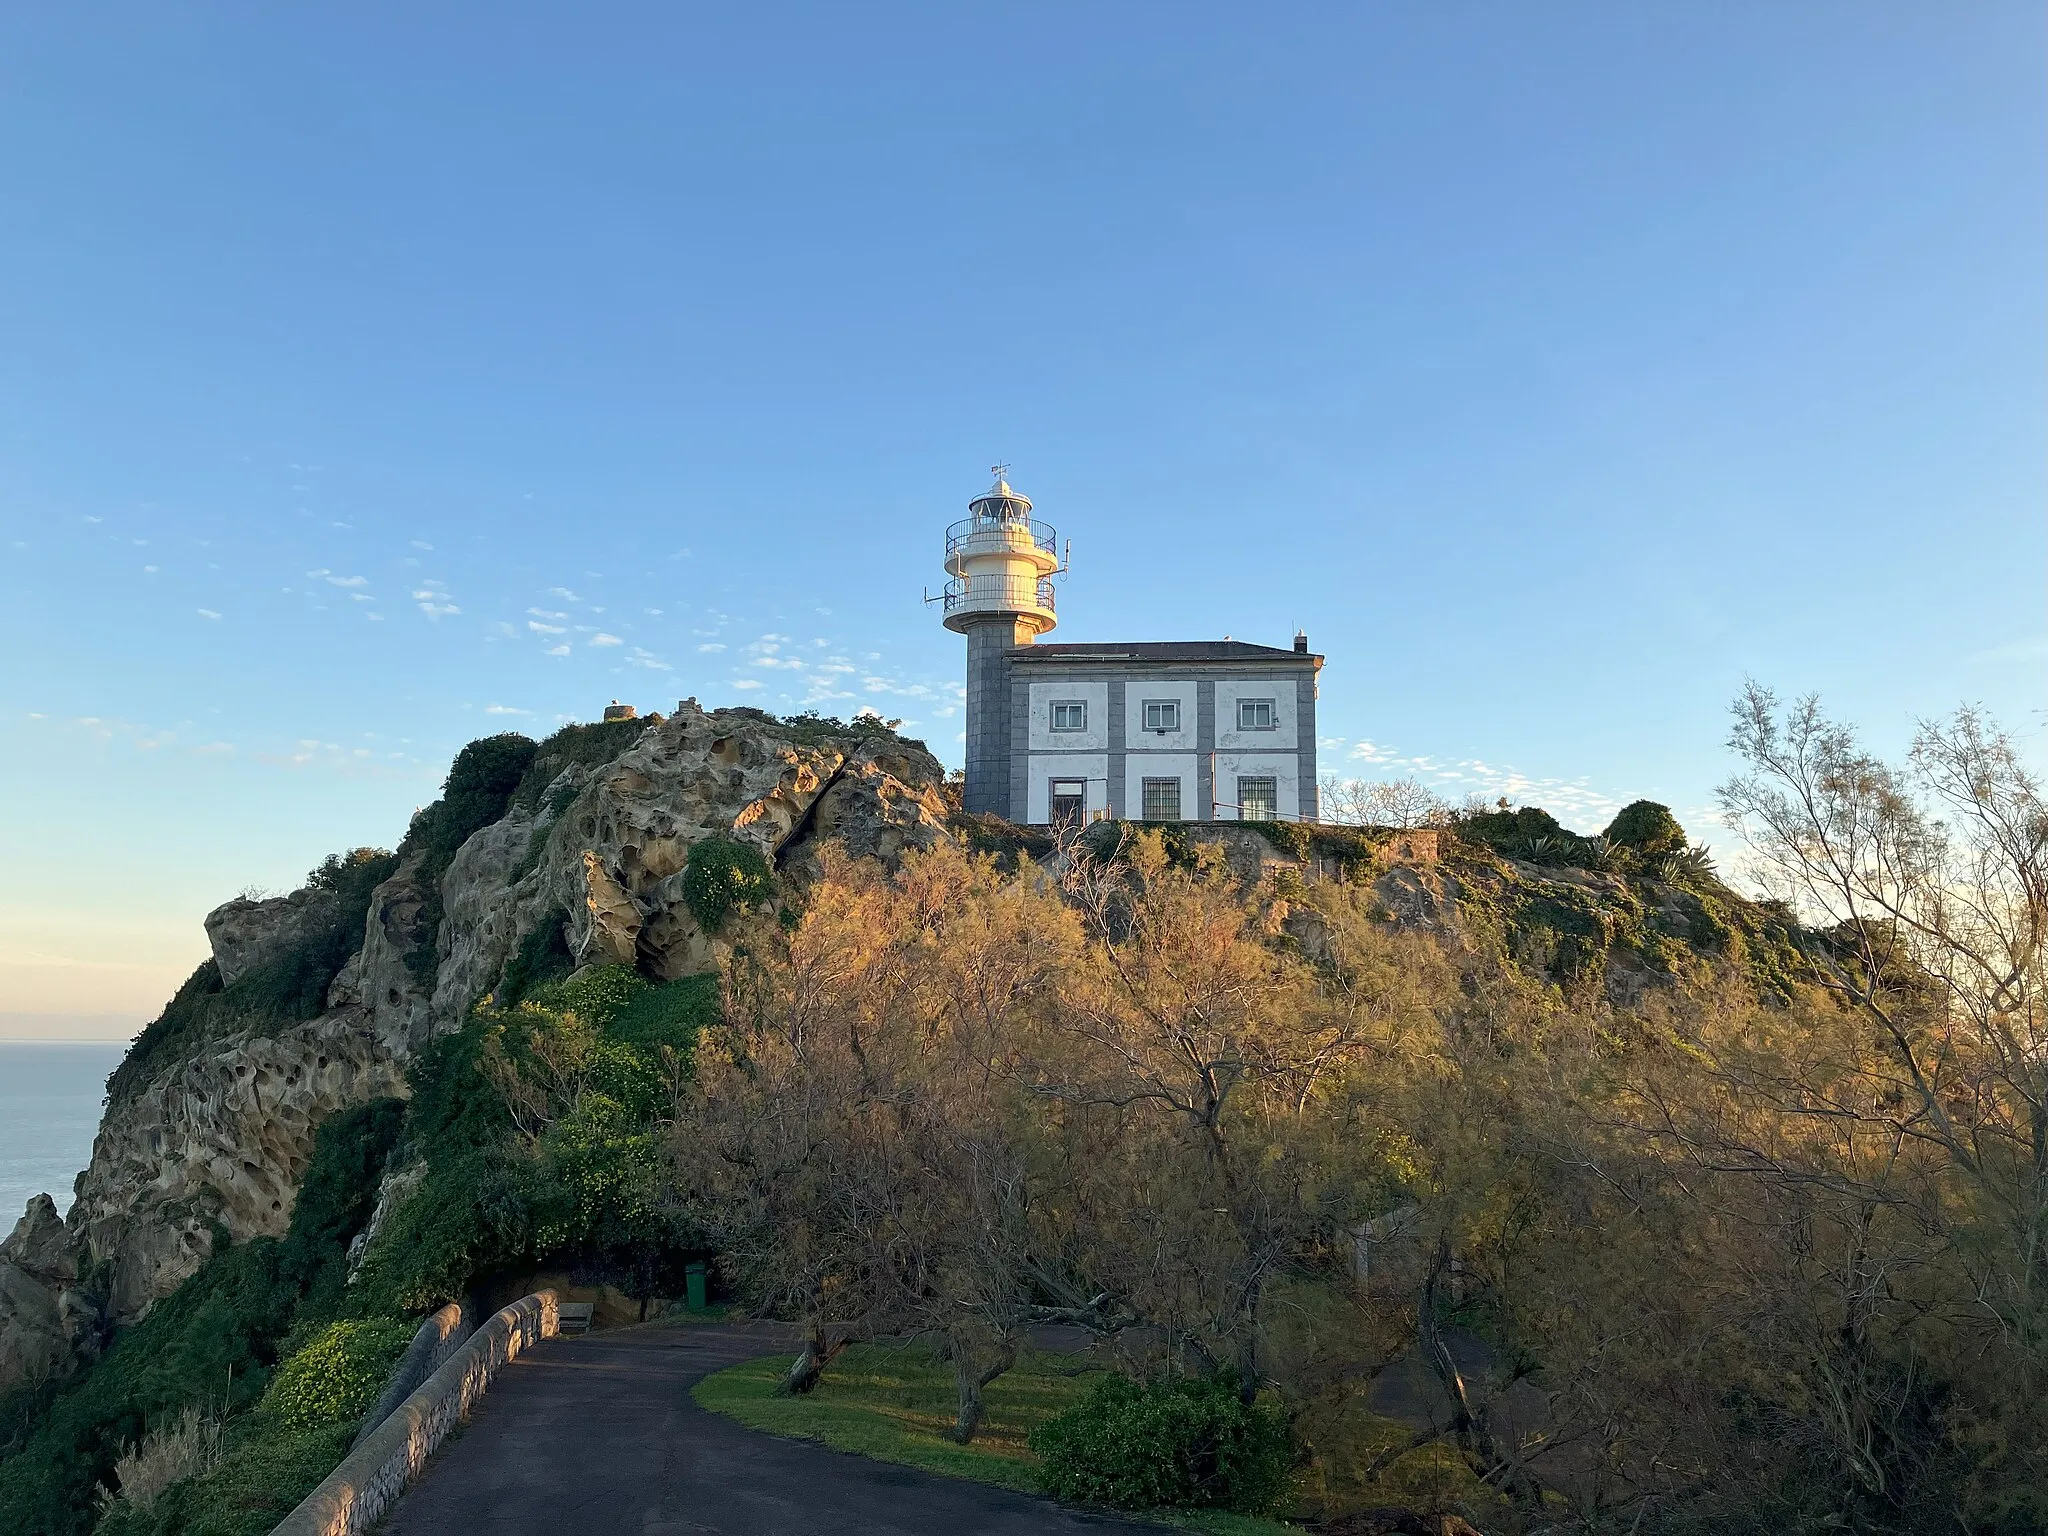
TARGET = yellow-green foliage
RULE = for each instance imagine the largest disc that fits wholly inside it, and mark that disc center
(1352, 1460)
(535, 1124)
(335, 1378)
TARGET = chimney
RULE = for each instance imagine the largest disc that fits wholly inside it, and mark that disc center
(1301, 642)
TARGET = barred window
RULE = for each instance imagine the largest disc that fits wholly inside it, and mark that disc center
(1256, 799)
(1162, 799)
(1255, 715)
(1162, 714)
(1070, 715)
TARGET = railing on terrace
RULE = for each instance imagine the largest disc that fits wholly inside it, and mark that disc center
(963, 590)
(1044, 535)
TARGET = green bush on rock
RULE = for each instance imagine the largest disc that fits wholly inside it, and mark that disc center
(1647, 827)
(723, 874)
(1174, 1444)
(336, 1378)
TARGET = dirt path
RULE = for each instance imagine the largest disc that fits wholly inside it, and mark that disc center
(598, 1436)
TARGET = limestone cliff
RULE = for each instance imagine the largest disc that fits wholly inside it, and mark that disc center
(210, 1131)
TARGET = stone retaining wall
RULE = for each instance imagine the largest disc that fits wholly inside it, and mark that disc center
(438, 1338)
(360, 1492)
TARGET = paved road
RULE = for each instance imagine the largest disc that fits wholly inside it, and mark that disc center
(597, 1436)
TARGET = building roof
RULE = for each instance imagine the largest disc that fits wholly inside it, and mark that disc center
(1182, 651)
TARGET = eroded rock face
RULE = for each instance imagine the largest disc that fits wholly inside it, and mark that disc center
(224, 1136)
(246, 934)
(611, 864)
(385, 986)
(46, 1320)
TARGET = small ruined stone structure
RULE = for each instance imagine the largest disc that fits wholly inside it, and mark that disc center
(1183, 730)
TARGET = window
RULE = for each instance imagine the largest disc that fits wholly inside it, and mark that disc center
(1255, 715)
(1162, 715)
(1070, 715)
(1069, 799)
(1256, 798)
(1162, 799)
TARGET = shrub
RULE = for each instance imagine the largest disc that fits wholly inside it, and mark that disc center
(1511, 830)
(352, 875)
(723, 874)
(1174, 1444)
(188, 1446)
(336, 1378)
(1647, 827)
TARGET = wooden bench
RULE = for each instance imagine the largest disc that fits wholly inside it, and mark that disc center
(574, 1316)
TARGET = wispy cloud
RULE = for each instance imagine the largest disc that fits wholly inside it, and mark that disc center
(2031, 649)
(601, 638)
(545, 629)
(505, 709)
(207, 613)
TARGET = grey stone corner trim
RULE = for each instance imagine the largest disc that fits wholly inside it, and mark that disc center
(360, 1492)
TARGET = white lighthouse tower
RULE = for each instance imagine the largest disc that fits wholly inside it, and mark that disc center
(1000, 596)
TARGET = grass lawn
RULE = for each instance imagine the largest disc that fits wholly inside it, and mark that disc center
(895, 1404)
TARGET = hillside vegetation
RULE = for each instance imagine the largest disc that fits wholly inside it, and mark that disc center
(1533, 1178)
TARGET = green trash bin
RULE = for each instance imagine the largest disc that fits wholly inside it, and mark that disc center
(694, 1278)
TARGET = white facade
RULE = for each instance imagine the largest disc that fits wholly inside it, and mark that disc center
(1283, 768)
(1232, 695)
(1093, 734)
(1141, 737)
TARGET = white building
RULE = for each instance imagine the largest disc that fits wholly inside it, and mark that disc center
(1180, 730)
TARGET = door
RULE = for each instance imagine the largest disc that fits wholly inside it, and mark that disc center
(1069, 802)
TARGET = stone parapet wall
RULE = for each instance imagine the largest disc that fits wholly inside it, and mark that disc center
(360, 1492)
(438, 1338)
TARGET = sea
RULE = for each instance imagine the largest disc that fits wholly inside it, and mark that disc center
(50, 1100)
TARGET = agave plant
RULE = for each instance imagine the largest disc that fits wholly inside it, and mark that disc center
(1539, 848)
(1689, 864)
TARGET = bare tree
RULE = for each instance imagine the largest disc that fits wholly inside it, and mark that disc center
(1931, 884)
(1403, 803)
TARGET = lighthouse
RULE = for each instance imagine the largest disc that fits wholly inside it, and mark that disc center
(1144, 730)
(999, 594)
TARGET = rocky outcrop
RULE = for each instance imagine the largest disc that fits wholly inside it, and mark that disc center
(610, 863)
(246, 934)
(46, 1319)
(386, 987)
(218, 1140)
(222, 1139)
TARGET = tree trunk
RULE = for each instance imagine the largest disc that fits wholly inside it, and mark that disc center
(971, 1379)
(809, 1366)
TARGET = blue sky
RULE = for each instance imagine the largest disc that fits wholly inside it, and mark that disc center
(376, 379)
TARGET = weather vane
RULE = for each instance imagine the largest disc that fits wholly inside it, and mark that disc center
(1000, 471)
